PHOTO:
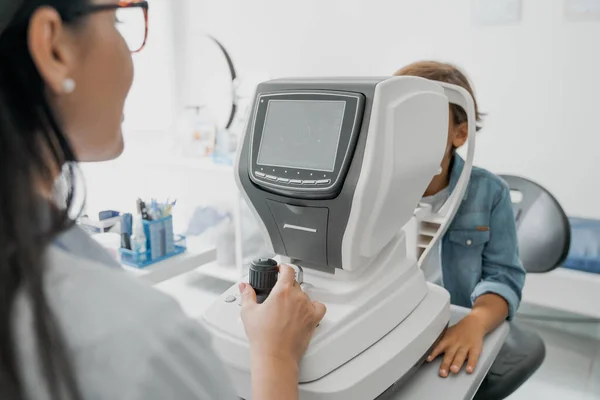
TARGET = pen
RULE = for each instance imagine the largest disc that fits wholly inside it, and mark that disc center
(126, 227)
(142, 210)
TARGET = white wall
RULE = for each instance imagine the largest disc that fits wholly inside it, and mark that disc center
(537, 80)
(151, 102)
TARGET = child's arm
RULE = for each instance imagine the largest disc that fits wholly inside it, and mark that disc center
(502, 272)
(463, 342)
(490, 310)
(495, 298)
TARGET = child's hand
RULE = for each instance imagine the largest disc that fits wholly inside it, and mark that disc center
(461, 342)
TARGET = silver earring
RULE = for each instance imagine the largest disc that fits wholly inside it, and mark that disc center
(68, 85)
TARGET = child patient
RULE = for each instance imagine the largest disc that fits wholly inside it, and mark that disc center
(479, 257)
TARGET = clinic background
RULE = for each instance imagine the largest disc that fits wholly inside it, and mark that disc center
(536, 78)
(536, 75)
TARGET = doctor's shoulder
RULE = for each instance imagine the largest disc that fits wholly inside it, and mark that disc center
(131, 336)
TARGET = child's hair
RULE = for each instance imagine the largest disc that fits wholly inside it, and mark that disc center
(447, 73)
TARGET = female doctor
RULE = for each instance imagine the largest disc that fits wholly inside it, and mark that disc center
(72, 325)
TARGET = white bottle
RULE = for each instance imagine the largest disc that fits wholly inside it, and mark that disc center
(138, 239)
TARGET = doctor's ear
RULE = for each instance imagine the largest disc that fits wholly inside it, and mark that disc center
(460, 134)
(52, 50)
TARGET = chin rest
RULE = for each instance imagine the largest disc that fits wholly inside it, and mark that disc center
(521, 355)
(543, 232)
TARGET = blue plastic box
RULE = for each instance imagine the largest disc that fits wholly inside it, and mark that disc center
(161, 244)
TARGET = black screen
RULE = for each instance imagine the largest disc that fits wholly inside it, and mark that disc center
(302, 134)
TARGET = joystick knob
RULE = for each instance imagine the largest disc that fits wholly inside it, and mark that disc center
(263, 277)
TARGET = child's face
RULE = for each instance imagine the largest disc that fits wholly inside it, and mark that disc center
(457, 135)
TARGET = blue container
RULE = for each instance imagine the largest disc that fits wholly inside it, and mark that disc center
(584, 254)
(159, 237)
(161, 244)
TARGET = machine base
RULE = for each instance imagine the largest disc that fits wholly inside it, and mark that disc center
(393, 390)
(382, 366)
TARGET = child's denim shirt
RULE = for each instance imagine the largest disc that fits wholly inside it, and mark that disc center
(479, 251)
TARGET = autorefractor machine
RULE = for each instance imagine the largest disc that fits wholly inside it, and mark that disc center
(334, 170)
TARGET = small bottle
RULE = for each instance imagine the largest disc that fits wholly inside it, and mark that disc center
(138, 239)
(203, 132)
(222, 147)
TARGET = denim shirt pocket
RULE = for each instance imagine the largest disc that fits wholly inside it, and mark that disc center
(469, 238)
(466, 253)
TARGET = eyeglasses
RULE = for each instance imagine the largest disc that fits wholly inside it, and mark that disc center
(131, 20)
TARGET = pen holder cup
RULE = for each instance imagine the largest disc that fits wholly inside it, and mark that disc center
(161, 244)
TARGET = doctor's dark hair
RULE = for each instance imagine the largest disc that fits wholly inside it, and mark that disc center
(33, 151)
(447, 73)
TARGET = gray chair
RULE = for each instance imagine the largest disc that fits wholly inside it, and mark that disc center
(544, 236)
(543, 228)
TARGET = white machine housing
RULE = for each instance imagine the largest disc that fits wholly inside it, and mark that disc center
(382, 315)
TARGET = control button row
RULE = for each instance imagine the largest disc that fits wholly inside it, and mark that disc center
(292, 181)
(321, 182)
(265, 176)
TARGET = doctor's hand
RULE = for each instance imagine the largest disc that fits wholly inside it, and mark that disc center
(461, 343)
(279, 331)
(281, 327)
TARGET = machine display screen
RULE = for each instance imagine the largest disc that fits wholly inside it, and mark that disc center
(302, 134)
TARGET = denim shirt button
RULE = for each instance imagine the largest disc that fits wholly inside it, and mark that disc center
(469, 242)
